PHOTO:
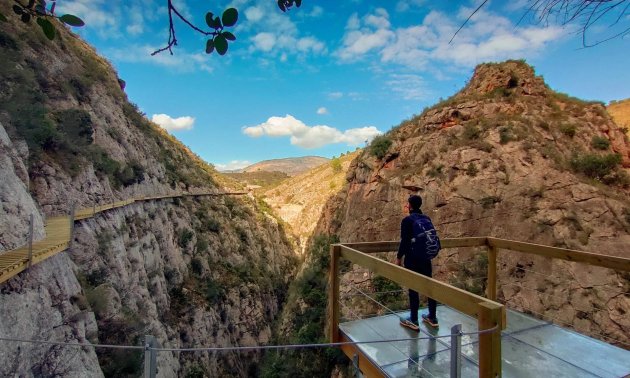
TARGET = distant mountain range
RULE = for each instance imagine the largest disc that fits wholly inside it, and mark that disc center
(290, 166)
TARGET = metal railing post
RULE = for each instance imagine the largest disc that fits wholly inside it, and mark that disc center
(150, 357)
(30, 240)
(456, 351)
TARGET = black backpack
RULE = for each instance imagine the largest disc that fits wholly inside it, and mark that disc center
(425, 242)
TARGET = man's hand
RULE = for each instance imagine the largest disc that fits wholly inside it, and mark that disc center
(398, 261)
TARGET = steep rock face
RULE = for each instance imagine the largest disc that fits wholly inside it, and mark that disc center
(620, 111)
(189, 279)
(17, 204)
(509, 158)
(39, 305)
(197, 272)
(299, 201)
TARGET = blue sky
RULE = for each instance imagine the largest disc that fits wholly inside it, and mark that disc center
(324, 78)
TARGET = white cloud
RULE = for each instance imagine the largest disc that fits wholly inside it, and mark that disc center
(264, 41)
(93, 12)
(173, 124)
(317, 11)
(254, 14)
(408, 86)
(487, 37)
(335, 95)
(181, 61)
(322, 110)
(276, 34)
(406, 5)
(310, 136)
(233, 165)
(374, 34)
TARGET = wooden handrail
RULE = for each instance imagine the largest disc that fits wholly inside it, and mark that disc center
(389, 246)
(606, 261)
(489, 314)
(462, 300)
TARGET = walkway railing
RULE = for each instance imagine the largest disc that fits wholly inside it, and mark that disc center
(489, 314)
(487, 311)
(59, 231)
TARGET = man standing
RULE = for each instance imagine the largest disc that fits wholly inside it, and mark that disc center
(418, 245)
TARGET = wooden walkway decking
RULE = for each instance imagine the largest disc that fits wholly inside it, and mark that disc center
(58, 234)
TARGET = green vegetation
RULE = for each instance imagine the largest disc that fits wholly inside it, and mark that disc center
(568, 129)
(435, 170)
(379, 146)
(308, 321)
(599, 167)
(389, 293)
(104, 240)
(488, 202)
(472, 275)
(335, 164)
(184, 236)
(505, 135)
(472, 169)
(266, 180)
(471, 132)
(600, 143)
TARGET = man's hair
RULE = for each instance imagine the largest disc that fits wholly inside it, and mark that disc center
(415, 201)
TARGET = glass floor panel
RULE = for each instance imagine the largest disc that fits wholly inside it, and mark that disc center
(598, 357)
(530, 348)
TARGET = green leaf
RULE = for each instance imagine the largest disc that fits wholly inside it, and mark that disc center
(229, 36)
(216, 23)
(40, 9)
(17, 9)
(230, 16)
(209, 46)
(210, 19)
(71, 20)
(47, 27)
(221, 44)
(3, 18)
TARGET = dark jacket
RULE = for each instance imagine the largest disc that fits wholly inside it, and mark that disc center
(406, 234)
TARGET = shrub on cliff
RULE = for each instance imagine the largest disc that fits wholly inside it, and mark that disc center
(600, 143)
(595, 166)
(307, 304)
(380, 145)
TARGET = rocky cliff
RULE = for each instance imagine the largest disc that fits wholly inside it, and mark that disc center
(507, 157)
(210, 271)
(620, 111)
(299, 200)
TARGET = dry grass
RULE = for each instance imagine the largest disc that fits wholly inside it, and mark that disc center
(620, 112)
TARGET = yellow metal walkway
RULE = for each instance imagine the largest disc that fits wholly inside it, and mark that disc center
(58, 234)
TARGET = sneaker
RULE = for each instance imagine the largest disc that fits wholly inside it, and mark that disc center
(433, 322)
(407, 322)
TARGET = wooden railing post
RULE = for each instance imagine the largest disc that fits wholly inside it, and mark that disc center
(72, 216)
(333, 293)
(491, 288)
(490, 315)
(30, 240)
